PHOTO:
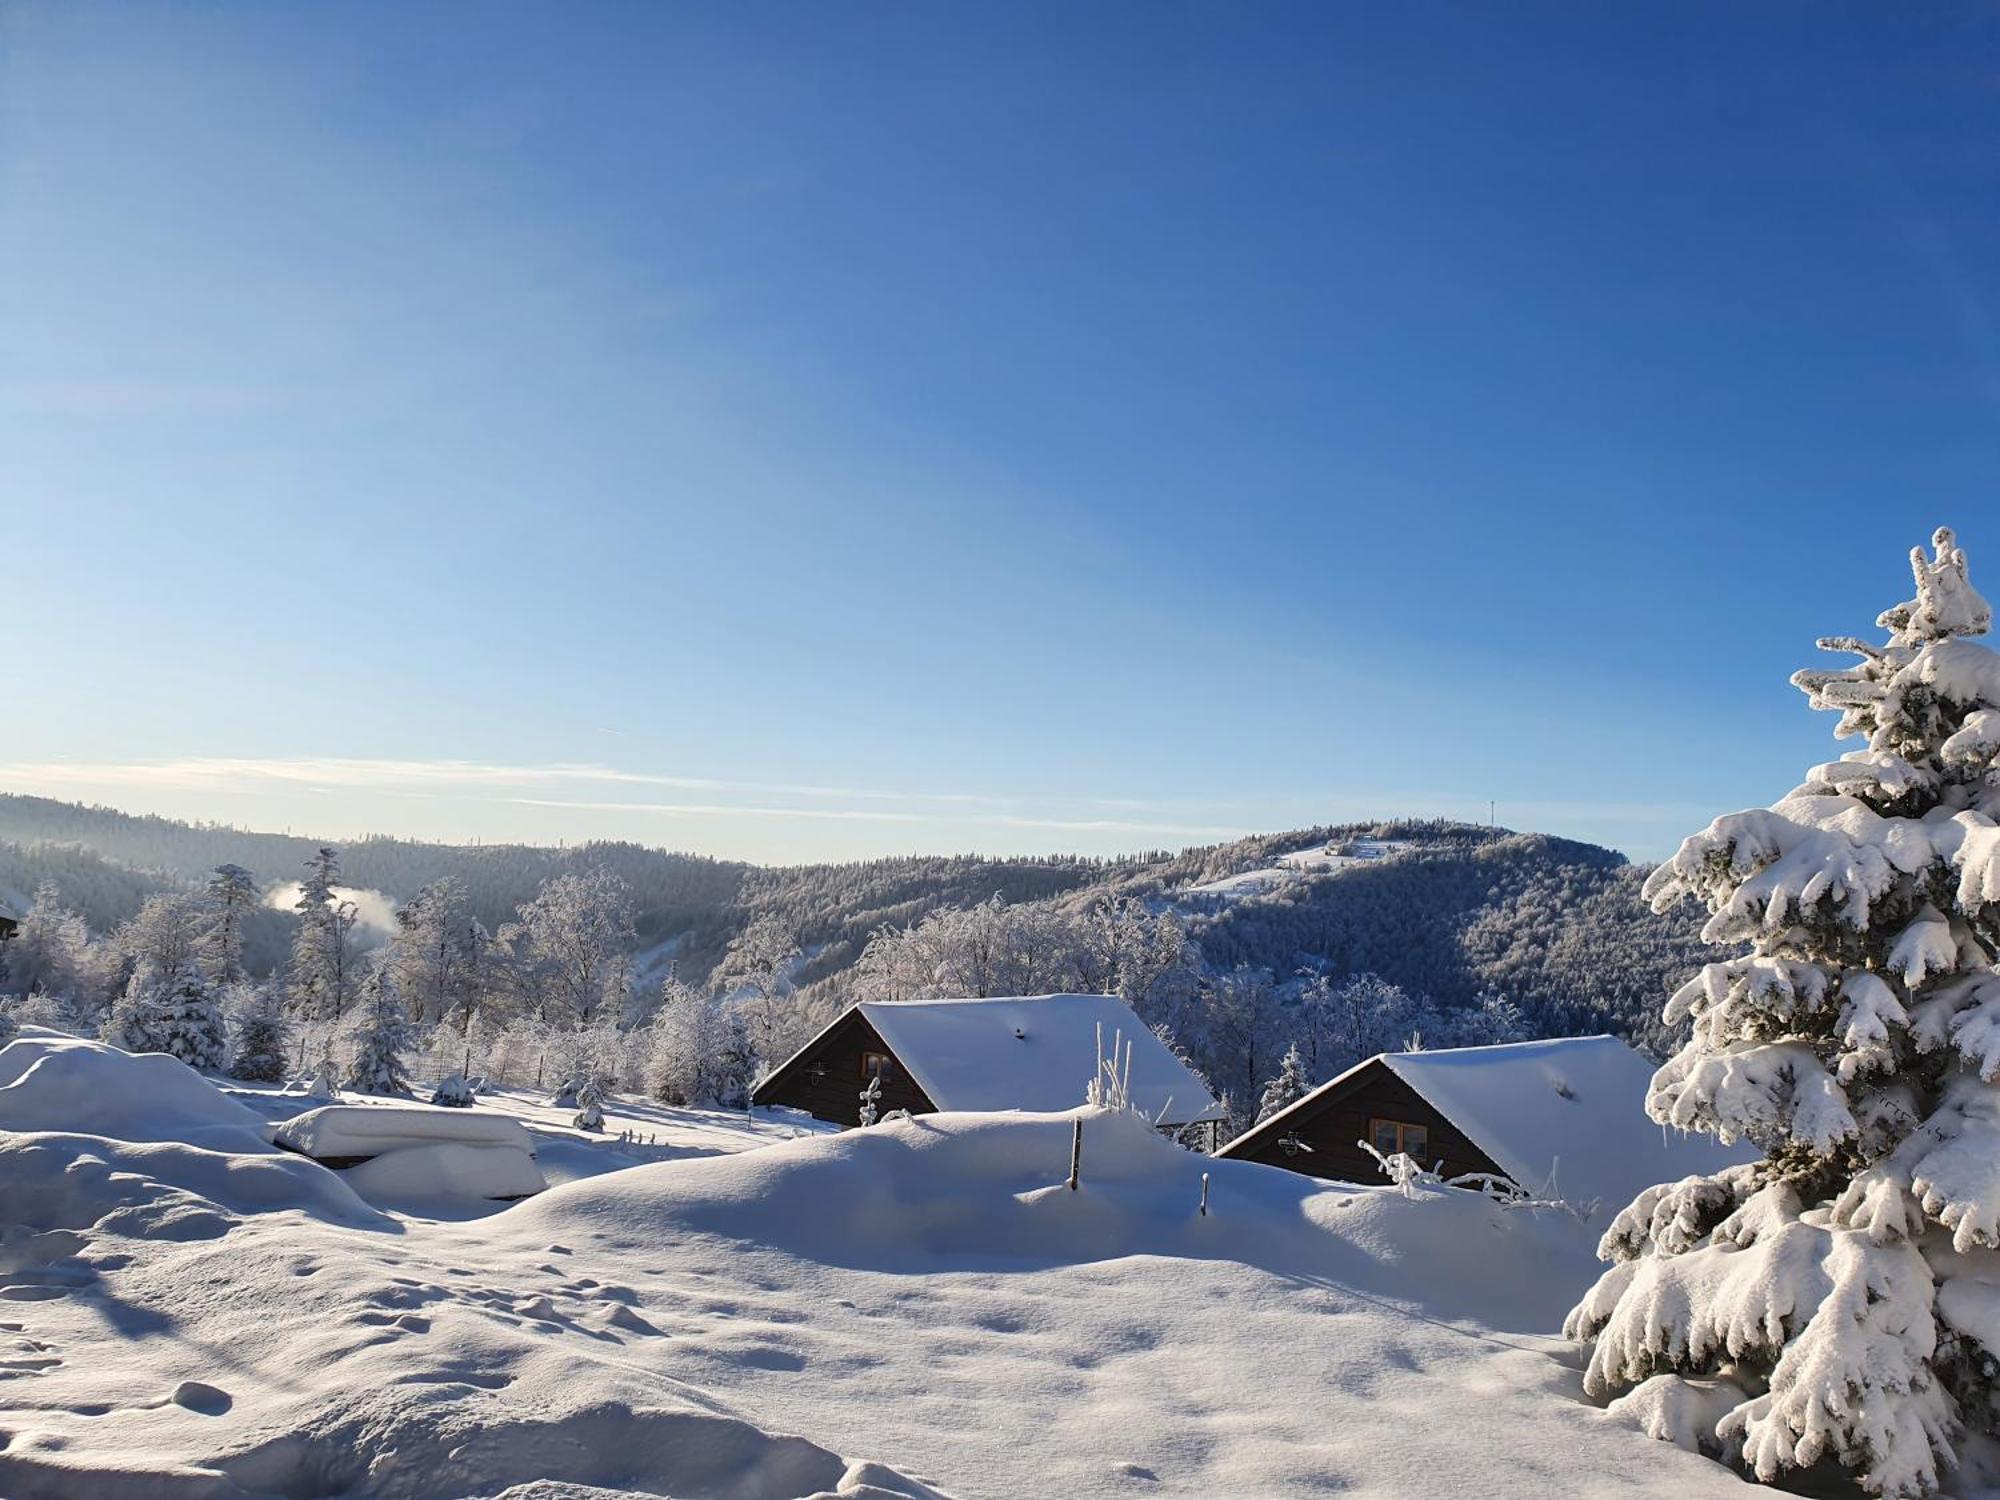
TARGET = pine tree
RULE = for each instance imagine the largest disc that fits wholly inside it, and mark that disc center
(189, 1022)
(136, 1018)
(381, 1036)
(262, 1041)
(1828, 1304)
(232, 896)
(322, 972)
(1287, 1088)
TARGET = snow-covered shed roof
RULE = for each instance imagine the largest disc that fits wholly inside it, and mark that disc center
(1570, 1111)
(1032, 1052)
(365, 1130)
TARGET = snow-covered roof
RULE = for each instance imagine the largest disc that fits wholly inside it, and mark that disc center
(1571, 1111)
(371, 1129)
(1032, 1052)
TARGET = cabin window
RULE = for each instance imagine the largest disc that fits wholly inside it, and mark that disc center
(1391, 1136)
(878, 1065)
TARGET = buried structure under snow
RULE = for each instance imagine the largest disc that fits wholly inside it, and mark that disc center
(1566, 1116)
(1028, 1052)
(419, 1147)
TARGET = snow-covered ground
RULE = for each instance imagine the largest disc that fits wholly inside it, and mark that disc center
(921, 1307)
(1319, 859)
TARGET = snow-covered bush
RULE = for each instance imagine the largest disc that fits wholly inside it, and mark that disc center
(9, 1028)
(382, 1035)
(319, 1084)
(699, 1051)
(1834, 1304)
(590, 1109)
(261, 1038)
(453, 1093)
(871, 1100)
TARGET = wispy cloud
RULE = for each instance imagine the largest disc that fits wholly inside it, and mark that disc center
(540, 785)
(441, 775)
(882, 815)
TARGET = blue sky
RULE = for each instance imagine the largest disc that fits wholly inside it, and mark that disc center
(807, 431)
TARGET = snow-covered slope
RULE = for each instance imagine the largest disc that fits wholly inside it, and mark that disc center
(186, 1322)
(1318, 859)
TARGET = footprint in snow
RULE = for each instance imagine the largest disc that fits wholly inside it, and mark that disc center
(199, 1396)
(20, 1355)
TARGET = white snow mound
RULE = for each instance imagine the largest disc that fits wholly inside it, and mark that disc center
(68, 1084)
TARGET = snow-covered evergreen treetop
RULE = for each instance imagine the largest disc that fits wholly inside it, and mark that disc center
(1839, 1302)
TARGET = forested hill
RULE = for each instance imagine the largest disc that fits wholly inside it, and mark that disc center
(1454, 912)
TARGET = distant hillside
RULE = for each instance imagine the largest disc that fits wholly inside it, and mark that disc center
(1455, 912)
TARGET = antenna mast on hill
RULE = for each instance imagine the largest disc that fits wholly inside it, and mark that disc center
(1489, 813)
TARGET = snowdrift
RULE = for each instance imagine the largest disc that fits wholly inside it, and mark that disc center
(737, 1328)
(970, 1192)
(61, 1082)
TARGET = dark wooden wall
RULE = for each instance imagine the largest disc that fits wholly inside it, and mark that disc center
(1332, 1124)
(825, 1080)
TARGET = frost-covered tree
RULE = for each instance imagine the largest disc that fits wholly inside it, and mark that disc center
(134, 1020)
(188, 1022)
(323, 969)
(1835, 1303)
(232, 896)
(699, 1050)
(47, 951)
(756, 976)
(871, 1100)
(437, 953)
(262, 1038)
(1287, 1086)
(164, 935)
(382, 1035)
(568, 946)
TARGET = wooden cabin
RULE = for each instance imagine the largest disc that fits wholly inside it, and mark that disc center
(1027, 1052)
(8, 923)
(1565, 1117)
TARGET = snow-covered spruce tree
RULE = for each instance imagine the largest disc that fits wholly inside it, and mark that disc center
(1288, 1086)
(262, 1039)
(1838, 1303)
(381, 1037)
(189, 1021)
(322, 968)
(134, 1019)
(232, 896)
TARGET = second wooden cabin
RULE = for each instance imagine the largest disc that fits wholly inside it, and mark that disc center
(1027, 1052)
(1564, 1117)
